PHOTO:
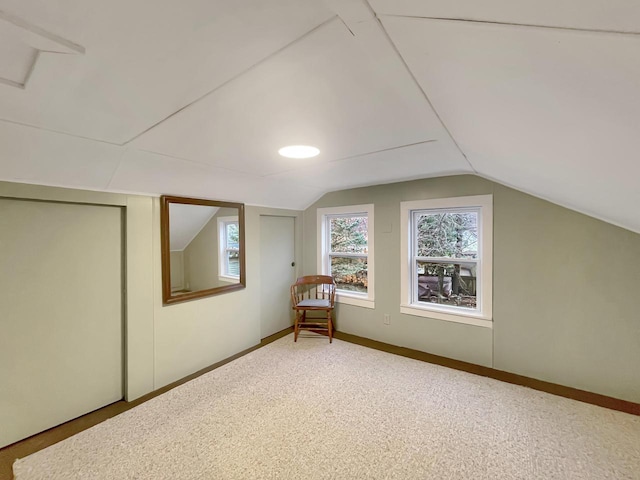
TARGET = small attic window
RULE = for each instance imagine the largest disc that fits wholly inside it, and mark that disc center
(447, 264)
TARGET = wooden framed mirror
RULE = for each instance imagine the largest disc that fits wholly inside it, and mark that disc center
(203, 248)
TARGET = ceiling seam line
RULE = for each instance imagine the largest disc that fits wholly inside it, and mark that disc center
(11, 83)
(32, 67)
(52, 37)
(117, 169)
(358, 155)
(424, 93)
(235, 77)
(516, 24)
(383, 150)
(208, 166)
(50, 130)
(53, 52)
(346, 26)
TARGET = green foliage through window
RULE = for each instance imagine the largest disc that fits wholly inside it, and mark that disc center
(451, 235)
(446, 235)
(349, 235)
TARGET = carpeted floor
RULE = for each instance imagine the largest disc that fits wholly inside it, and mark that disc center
(311, 410)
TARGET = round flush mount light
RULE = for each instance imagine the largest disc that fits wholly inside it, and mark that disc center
(299, 151)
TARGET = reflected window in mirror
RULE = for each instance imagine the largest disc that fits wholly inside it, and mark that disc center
(229, 249)
(202, 248)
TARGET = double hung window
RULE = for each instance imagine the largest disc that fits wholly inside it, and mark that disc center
(447, 259)
(345, 240)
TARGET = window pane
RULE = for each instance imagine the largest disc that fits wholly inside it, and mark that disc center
(348, 234)
(233, 263)
(233, 235)
(447, 234)
(350, 273)
(447, 283)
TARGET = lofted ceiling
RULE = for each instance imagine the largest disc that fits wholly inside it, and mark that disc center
(196, 97)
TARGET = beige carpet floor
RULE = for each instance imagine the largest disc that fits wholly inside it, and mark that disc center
(310, 410)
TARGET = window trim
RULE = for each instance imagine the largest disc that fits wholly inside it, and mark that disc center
(350, 298)
(483, 318)
(222, 248)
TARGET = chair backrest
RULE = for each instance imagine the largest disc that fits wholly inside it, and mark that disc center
(314, 286)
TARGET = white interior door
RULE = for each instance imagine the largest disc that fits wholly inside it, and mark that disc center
(61, 338)
(277, 253)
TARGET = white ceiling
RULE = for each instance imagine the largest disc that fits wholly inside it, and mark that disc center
(196, 97)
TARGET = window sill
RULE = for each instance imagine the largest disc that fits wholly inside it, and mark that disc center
(467, 319)
(224, 278)
(356, 300)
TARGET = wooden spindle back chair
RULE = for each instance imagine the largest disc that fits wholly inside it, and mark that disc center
(313, 293)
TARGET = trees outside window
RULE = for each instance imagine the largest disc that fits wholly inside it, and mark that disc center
(446, 256)
(346, 251)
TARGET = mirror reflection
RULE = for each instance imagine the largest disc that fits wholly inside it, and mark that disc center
(205, 248)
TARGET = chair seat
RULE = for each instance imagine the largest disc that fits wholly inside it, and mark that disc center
(313, 302)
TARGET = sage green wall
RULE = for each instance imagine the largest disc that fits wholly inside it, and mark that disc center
(192, 335)
(565, 288)
(176, 259)
(201, 255)
(563, 292)
(77, 253)
(164, 344)
(139, 367)
(455, 340)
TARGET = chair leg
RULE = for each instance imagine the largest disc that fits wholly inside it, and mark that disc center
(296, 328)
(330, 327)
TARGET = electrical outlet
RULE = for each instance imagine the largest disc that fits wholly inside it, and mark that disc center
(387, 319)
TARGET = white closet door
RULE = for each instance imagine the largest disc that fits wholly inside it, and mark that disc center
(277, 252)
(61, 320)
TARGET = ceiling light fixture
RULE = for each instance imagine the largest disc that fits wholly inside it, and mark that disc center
(299, 151)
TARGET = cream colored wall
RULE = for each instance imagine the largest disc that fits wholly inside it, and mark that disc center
(164, 344)
(564, 286)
